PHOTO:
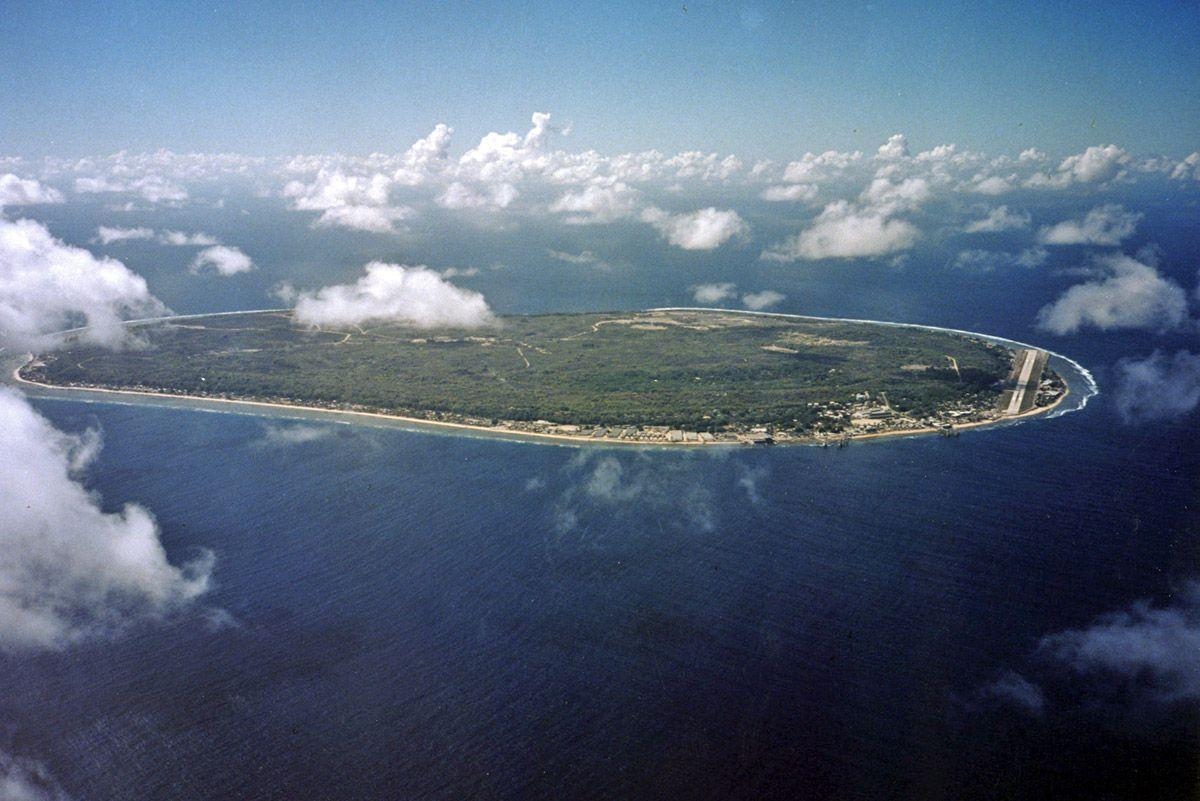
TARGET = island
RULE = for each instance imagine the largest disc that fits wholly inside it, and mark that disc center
(664, 376)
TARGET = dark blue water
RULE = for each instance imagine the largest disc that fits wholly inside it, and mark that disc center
(408, 615)
(424, 616)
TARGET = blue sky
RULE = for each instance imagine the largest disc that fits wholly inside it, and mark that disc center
(759, 80)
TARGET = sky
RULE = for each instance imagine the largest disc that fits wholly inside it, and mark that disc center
(760, 80)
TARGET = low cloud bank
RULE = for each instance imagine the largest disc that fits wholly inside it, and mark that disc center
(47, 286)
(394, 293)
(72, 571)
(1158, 387)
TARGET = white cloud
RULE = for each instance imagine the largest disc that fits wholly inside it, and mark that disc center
(181, 239)
(394, 293)
(1013, 688)
(154, 188)
(816, 168)
(283, 436)
(460, 196)
(896, 147)
(506, 157)
(47, 286)
(596, 204)
(999, 219)
(705, 229)
(72, 571)
(334, 189)
(762, 300)
(1031, 257)
(425, 156)
(1158, 387)
(1151, 649)
(377, 219)
(713, 293)
(1188, 168)
(24, 779)
(887, 197)
(844, 231)
(16, 191)
(223, 260)
(1104, 225)
(106, 235)
(991, 185)
(1096, 165)
(789, 192)
(583, 257)
(1130, 294)
(608, 487)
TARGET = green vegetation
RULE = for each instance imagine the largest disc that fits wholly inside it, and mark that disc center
(701, 371)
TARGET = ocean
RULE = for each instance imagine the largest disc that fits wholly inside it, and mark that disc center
(415, 615)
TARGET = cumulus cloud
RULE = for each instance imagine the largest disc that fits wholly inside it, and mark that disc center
(334, 189)
(1129, 294)
(459, 196)
(72, 571)
(991, 185)
(1109, 224)
(1096, 165)
(394, 293)
(376, 219)
(762, 300)
(426, 156)
(843, 231)
(1188, 168)
(223, 260)
(47, 286)
(814, 168)
(895, 147)
(789, 192)
(596, 204)
(106, 235)
(999, 219)
(1151, 649)
(507, 156)
(701, 230)
(1158, 387)
(15, 191)
(154, 188)
(713, 293)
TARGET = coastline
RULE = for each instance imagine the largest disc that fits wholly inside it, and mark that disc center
(504, 432)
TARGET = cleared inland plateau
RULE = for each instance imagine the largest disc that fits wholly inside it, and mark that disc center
(664, 376)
